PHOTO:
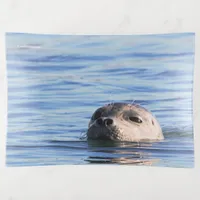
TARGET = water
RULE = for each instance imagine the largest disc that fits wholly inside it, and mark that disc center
(55, 83)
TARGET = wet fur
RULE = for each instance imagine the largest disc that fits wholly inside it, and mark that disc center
(123, 129)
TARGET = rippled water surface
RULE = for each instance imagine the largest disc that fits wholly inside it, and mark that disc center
(55, 83)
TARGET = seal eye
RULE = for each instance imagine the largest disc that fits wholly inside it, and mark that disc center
(135, 119)
(96, 115)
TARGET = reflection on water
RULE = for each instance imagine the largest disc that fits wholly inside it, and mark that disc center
(55, 83)
(122, 153)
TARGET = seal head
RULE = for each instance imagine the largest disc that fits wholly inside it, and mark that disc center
(124, 122)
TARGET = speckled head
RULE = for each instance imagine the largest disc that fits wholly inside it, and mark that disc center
(124, 122)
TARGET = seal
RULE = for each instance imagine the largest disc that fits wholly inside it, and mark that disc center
(124, 122)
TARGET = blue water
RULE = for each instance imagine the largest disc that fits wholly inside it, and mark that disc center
(56, 82)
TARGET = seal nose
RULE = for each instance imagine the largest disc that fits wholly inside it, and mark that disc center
(108, 122)
(99, 121)
(105, 122)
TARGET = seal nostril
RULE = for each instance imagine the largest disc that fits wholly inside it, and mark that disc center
(100, 121)
(108, 122)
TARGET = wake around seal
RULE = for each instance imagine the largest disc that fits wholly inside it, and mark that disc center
(124, 122)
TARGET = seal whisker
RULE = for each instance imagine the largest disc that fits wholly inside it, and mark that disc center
(111, 102)
(132, 101)
(83, 136)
